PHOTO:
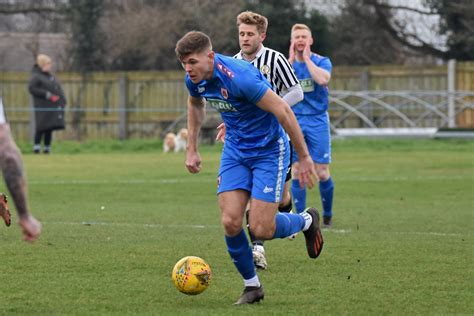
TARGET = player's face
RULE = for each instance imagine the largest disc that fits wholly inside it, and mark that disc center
(199, 66)
(301, 38)
(250, 39)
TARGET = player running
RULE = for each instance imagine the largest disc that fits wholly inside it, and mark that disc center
(255, 154)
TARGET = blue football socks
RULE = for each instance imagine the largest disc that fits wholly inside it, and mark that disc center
(287, 224)
(299, 196)
(326, 190)
(241, 254)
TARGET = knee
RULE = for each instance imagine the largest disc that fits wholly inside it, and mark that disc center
(323, 173)
(261, 231)
(286, 199)
(232, 225)
(295, 170)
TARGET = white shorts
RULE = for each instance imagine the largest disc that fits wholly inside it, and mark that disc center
(3, 120)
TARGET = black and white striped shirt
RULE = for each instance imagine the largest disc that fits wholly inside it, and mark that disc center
(275, 67)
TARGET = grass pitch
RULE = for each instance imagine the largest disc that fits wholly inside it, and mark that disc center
(117, 216)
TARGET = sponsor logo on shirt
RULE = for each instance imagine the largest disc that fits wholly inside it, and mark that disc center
(221, 105)
(307, 85)
(267, 190)
(201, 89)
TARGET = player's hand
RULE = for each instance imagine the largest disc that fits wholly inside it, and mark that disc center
(30, 227)
(291, 53)
(307, 173)
(221, 133)
(193, 161)
(307, 51)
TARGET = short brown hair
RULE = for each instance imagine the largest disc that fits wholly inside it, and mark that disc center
(300, 26)
(251, 18)
(192, 42)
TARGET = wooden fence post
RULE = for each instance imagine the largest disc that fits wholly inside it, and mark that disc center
(451, 91)
(123, 98)
(32, 124)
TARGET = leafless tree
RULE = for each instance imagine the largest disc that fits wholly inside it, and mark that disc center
(436, 27)
(142, 35)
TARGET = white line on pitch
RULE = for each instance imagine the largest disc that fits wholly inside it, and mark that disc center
(212, 179)
(98, 223)
(332, 230)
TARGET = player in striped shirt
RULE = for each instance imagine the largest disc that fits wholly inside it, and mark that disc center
(281, 76)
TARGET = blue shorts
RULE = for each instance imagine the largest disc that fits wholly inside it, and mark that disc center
(262, 174)
(317, 135)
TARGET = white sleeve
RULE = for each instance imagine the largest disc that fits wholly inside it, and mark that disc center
(294, 95)
(2, 113)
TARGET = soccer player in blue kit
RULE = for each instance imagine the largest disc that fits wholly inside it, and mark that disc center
(314, 73)
(255, 154)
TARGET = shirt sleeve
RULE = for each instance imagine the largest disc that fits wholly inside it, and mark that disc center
(325, 63)
(285, 73)
(252, 85)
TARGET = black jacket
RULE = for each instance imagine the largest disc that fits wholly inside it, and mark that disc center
(49, 115)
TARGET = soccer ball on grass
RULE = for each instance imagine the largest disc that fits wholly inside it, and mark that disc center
(191, 275)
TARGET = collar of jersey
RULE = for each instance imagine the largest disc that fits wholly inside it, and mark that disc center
(259, 53)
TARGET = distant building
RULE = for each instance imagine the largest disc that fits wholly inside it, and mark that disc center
(18, 50)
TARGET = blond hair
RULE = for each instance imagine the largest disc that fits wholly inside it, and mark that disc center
(192, 42)
(252, 18)
(300, 26)
(42, 60)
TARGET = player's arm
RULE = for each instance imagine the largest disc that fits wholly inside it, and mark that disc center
(196, 114)
(294, 95)
(13, 171)
(272, 103)
(287, 77)
(320, 75)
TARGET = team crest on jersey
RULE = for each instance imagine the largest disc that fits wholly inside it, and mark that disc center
(224, 93)
(265, 69)
(223, 69)
(201, 89)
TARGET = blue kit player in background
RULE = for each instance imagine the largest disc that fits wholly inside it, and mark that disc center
(255, 154)
(314, 73)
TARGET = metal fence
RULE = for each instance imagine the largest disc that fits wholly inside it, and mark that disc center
(145, 104)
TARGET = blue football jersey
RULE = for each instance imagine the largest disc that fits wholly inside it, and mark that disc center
(234, 89)
(315, 96)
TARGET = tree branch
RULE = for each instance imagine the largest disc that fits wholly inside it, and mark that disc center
(30, 8)
(405, 8)
(384, 18)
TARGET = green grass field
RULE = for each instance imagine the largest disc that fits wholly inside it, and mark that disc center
(117, 216)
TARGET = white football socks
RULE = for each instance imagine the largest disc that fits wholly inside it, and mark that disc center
(308, 219)
(259, 248)
(255, 282)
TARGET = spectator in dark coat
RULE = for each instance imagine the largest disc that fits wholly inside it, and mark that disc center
(49, 102)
